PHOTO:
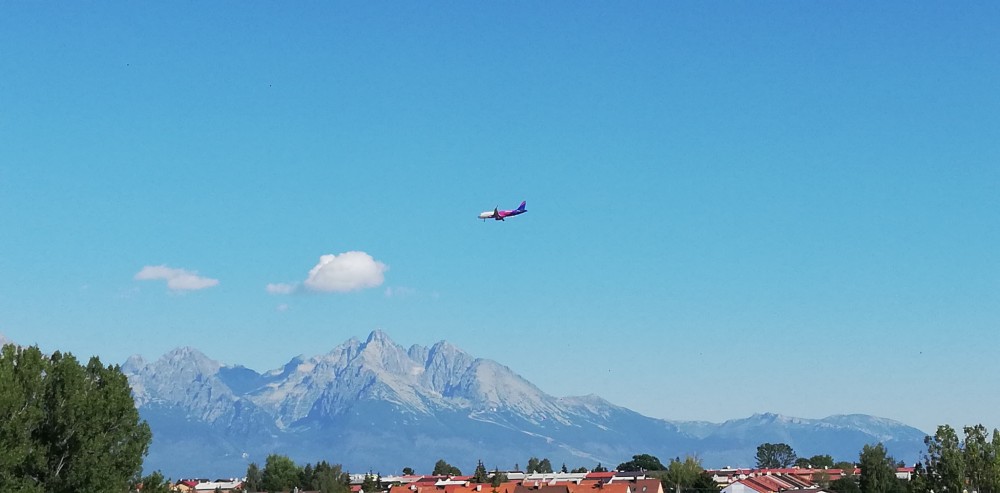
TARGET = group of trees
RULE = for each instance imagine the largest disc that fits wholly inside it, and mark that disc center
(953, 465)
(781, 455)
(280, 473)
(67, 427)
(679, 476)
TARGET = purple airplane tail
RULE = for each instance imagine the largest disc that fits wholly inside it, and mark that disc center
(521, 207)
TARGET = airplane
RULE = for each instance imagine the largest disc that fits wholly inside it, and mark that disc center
(499, 215)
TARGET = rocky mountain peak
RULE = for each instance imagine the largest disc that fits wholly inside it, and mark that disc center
(189, 358)
(133, 364)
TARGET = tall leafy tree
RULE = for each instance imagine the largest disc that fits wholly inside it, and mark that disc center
(545, 466)
(442, 468)
(252, 482)
(982, 464)
(846, 484)
(533, 465)
(878, 470)
(775, 456)
(681, 475)
(821, 461)
(600, 468)
(280, 474)
(66, 427)
(945, 462)
(642, 462)
(331, 478)
(407, 471)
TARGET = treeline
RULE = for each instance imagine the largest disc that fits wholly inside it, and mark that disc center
(534, 465)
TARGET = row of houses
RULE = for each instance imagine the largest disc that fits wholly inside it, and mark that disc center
(603, 482)
(789, 480)
(730, 480)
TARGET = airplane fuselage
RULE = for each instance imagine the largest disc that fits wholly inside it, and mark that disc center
(500, 215)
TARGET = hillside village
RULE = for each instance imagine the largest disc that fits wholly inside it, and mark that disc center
(728, 480)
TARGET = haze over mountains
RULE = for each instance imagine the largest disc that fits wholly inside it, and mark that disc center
(374, 405)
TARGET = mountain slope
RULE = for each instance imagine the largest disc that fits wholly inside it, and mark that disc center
(373, 405)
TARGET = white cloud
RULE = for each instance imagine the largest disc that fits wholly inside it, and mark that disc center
(399, 292)
(177, 279)
(348, 271)
(282, 307)
(281, 288)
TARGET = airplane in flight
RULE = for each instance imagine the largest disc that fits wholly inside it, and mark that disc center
(499, 215)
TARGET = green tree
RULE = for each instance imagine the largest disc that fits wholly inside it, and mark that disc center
(307, 476)
(153, 483)
(280, 474)
(481, 475)
(878, 470)
(845, 466)
(945, 463)
(580, 470)
(563, 469)
(846, 484)
(704, 484)
(66, 427)
(442, 468)
(600, 468)
(680, 475)
(252, 483)
(775, 456)
(545, 466)
(331, 479)
(533, 465)
(821, 462)
(371, 484)
(982, 460)
(642, 462)
(918, 480)
(408, 471)
(497, 478)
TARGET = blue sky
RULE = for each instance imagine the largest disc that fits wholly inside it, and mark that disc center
(726, 200)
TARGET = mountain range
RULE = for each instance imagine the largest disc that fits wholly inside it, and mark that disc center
(373, 405)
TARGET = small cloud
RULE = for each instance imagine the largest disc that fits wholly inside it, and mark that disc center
(348, 271)
(281, 288)
(399, 292)
(282, 307)
(177, 279)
